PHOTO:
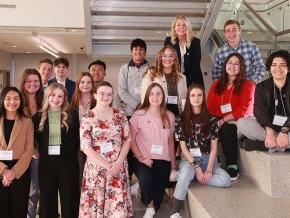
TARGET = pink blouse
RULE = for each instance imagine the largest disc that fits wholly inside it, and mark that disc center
(151, 137)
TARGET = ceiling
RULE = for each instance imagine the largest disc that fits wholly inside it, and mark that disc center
(110, 27)
(27, 39)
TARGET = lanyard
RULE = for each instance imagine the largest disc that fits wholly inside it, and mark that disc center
(276, 101)
(229, 98)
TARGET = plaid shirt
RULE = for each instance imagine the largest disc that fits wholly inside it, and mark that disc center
(255, 66)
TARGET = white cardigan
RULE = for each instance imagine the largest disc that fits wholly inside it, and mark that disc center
(161, 80)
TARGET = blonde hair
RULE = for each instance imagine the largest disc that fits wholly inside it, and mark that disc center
(63, 108)
(157, 70)
(189, 33)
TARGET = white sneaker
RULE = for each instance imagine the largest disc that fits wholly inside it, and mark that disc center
(149, 213)
(135, 189)
(176, 215)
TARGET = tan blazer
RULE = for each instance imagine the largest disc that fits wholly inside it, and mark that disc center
(21, 143)
(161, 80)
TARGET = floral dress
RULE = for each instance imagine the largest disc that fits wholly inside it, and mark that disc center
(104, 195)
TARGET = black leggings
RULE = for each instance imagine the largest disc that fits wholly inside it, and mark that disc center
(152, 180)
(229, 142)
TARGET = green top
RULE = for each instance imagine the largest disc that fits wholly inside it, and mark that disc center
(54, 127)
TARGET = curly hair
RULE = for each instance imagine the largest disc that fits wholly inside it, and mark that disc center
(157, 70)
(63, 108)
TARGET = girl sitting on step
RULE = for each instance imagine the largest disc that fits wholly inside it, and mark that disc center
(197, 132)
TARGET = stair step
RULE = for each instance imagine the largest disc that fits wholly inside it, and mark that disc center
(242, 200)
(269, 171)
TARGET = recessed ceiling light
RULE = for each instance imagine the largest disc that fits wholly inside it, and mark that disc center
(28, 52)
(13, 46)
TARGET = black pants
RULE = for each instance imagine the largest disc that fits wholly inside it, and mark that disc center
(152, 180)
(229, 141)
(14, 198)
(130, 159)
(82, 160)
(59, 175)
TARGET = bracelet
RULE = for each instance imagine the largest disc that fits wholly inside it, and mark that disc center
(284, 130)
(196, 166)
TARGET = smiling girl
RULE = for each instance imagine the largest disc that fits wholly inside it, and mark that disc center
(57, 135)
(231, 98)
(197, 132)
(16, 140)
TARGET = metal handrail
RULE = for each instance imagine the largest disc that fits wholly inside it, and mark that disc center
(274, 6)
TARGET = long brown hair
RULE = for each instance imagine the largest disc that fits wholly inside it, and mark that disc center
(157, 70)
(163, 110)
(77, 94)
(188, 118)
(63, 108)
(239, 80)
(38, 95)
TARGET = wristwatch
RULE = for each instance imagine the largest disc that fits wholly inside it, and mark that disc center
(195, 163)
(284, 130)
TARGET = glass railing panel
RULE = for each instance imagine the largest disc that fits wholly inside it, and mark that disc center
(275, 12)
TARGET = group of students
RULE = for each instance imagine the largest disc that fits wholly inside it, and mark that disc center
(83, 142)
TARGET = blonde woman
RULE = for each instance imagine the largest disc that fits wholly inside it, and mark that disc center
(188, 49)
(57, 134)
(166, 72)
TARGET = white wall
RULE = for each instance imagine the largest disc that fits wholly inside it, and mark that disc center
(44, 13)
(78, 63)
(5, 60)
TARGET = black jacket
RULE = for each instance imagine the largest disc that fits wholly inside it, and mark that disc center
(70, 140)
(69, 85)
(192, 59)
(264, 103)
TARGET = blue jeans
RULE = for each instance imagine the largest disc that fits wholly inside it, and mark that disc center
(34, 189)
(220, 178)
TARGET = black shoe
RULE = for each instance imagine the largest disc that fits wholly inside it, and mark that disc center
(234, 174)
(254, 145)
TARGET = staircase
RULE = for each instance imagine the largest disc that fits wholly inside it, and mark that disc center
(115, 23)
(262, 191)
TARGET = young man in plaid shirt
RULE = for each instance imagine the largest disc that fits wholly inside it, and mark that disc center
(255, 66)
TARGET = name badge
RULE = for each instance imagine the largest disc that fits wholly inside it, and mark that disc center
(195, 152)
(226, 108)
(279, 120)
(54, 150)
(106, 147)
(6, 155)
(156, 149)
(172, 99)
(137, 91)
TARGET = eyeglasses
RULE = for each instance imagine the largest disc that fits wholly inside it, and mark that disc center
(171, 56)
(32, 81)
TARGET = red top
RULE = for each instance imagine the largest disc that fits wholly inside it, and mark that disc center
(242, 104)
